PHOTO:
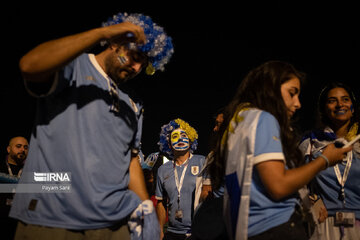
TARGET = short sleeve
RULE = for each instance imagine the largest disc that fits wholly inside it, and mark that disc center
(61, 80)
(159, 185)
(267, 141)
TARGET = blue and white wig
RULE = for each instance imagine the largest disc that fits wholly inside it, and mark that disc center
(158, 46)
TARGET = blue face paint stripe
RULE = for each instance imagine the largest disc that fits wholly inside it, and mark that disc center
(181, 148)
(185, 141)
(181, 141)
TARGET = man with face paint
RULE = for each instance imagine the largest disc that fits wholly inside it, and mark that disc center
(176, 179)
(90, 128)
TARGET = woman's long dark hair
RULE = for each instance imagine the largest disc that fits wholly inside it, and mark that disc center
(262, 89)
(322, 119)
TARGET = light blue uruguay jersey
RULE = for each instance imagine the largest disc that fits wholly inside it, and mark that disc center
(75, 132)
(327, 186)
(166, 187)
(326, 183)
(254, 137)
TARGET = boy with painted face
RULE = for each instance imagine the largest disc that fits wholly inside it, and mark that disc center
(176, 179)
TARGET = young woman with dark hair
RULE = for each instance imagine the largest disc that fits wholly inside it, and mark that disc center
(338, 187)
(323, 119)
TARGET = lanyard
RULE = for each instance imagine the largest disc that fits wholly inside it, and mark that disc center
(178, 183)
(342, 179)
(10, 171)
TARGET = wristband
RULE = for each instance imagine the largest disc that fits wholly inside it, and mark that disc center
(326, 160)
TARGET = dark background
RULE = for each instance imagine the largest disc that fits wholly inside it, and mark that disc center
(216, 44)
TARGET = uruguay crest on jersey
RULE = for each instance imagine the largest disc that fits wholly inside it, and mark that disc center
(194, 170)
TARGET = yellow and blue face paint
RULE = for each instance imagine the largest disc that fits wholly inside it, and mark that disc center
(179, 140)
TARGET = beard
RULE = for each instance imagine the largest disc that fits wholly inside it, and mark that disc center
(19, 158)
(119, 75)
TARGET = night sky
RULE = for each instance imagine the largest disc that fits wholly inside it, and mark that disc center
(216, 44)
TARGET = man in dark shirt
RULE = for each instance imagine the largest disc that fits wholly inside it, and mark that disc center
(17, 153)
(11, 167)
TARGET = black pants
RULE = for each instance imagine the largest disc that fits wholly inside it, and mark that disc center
(294, 229)
(174, 236)
(208, 222)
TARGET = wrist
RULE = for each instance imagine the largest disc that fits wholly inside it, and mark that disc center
(326, 160)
